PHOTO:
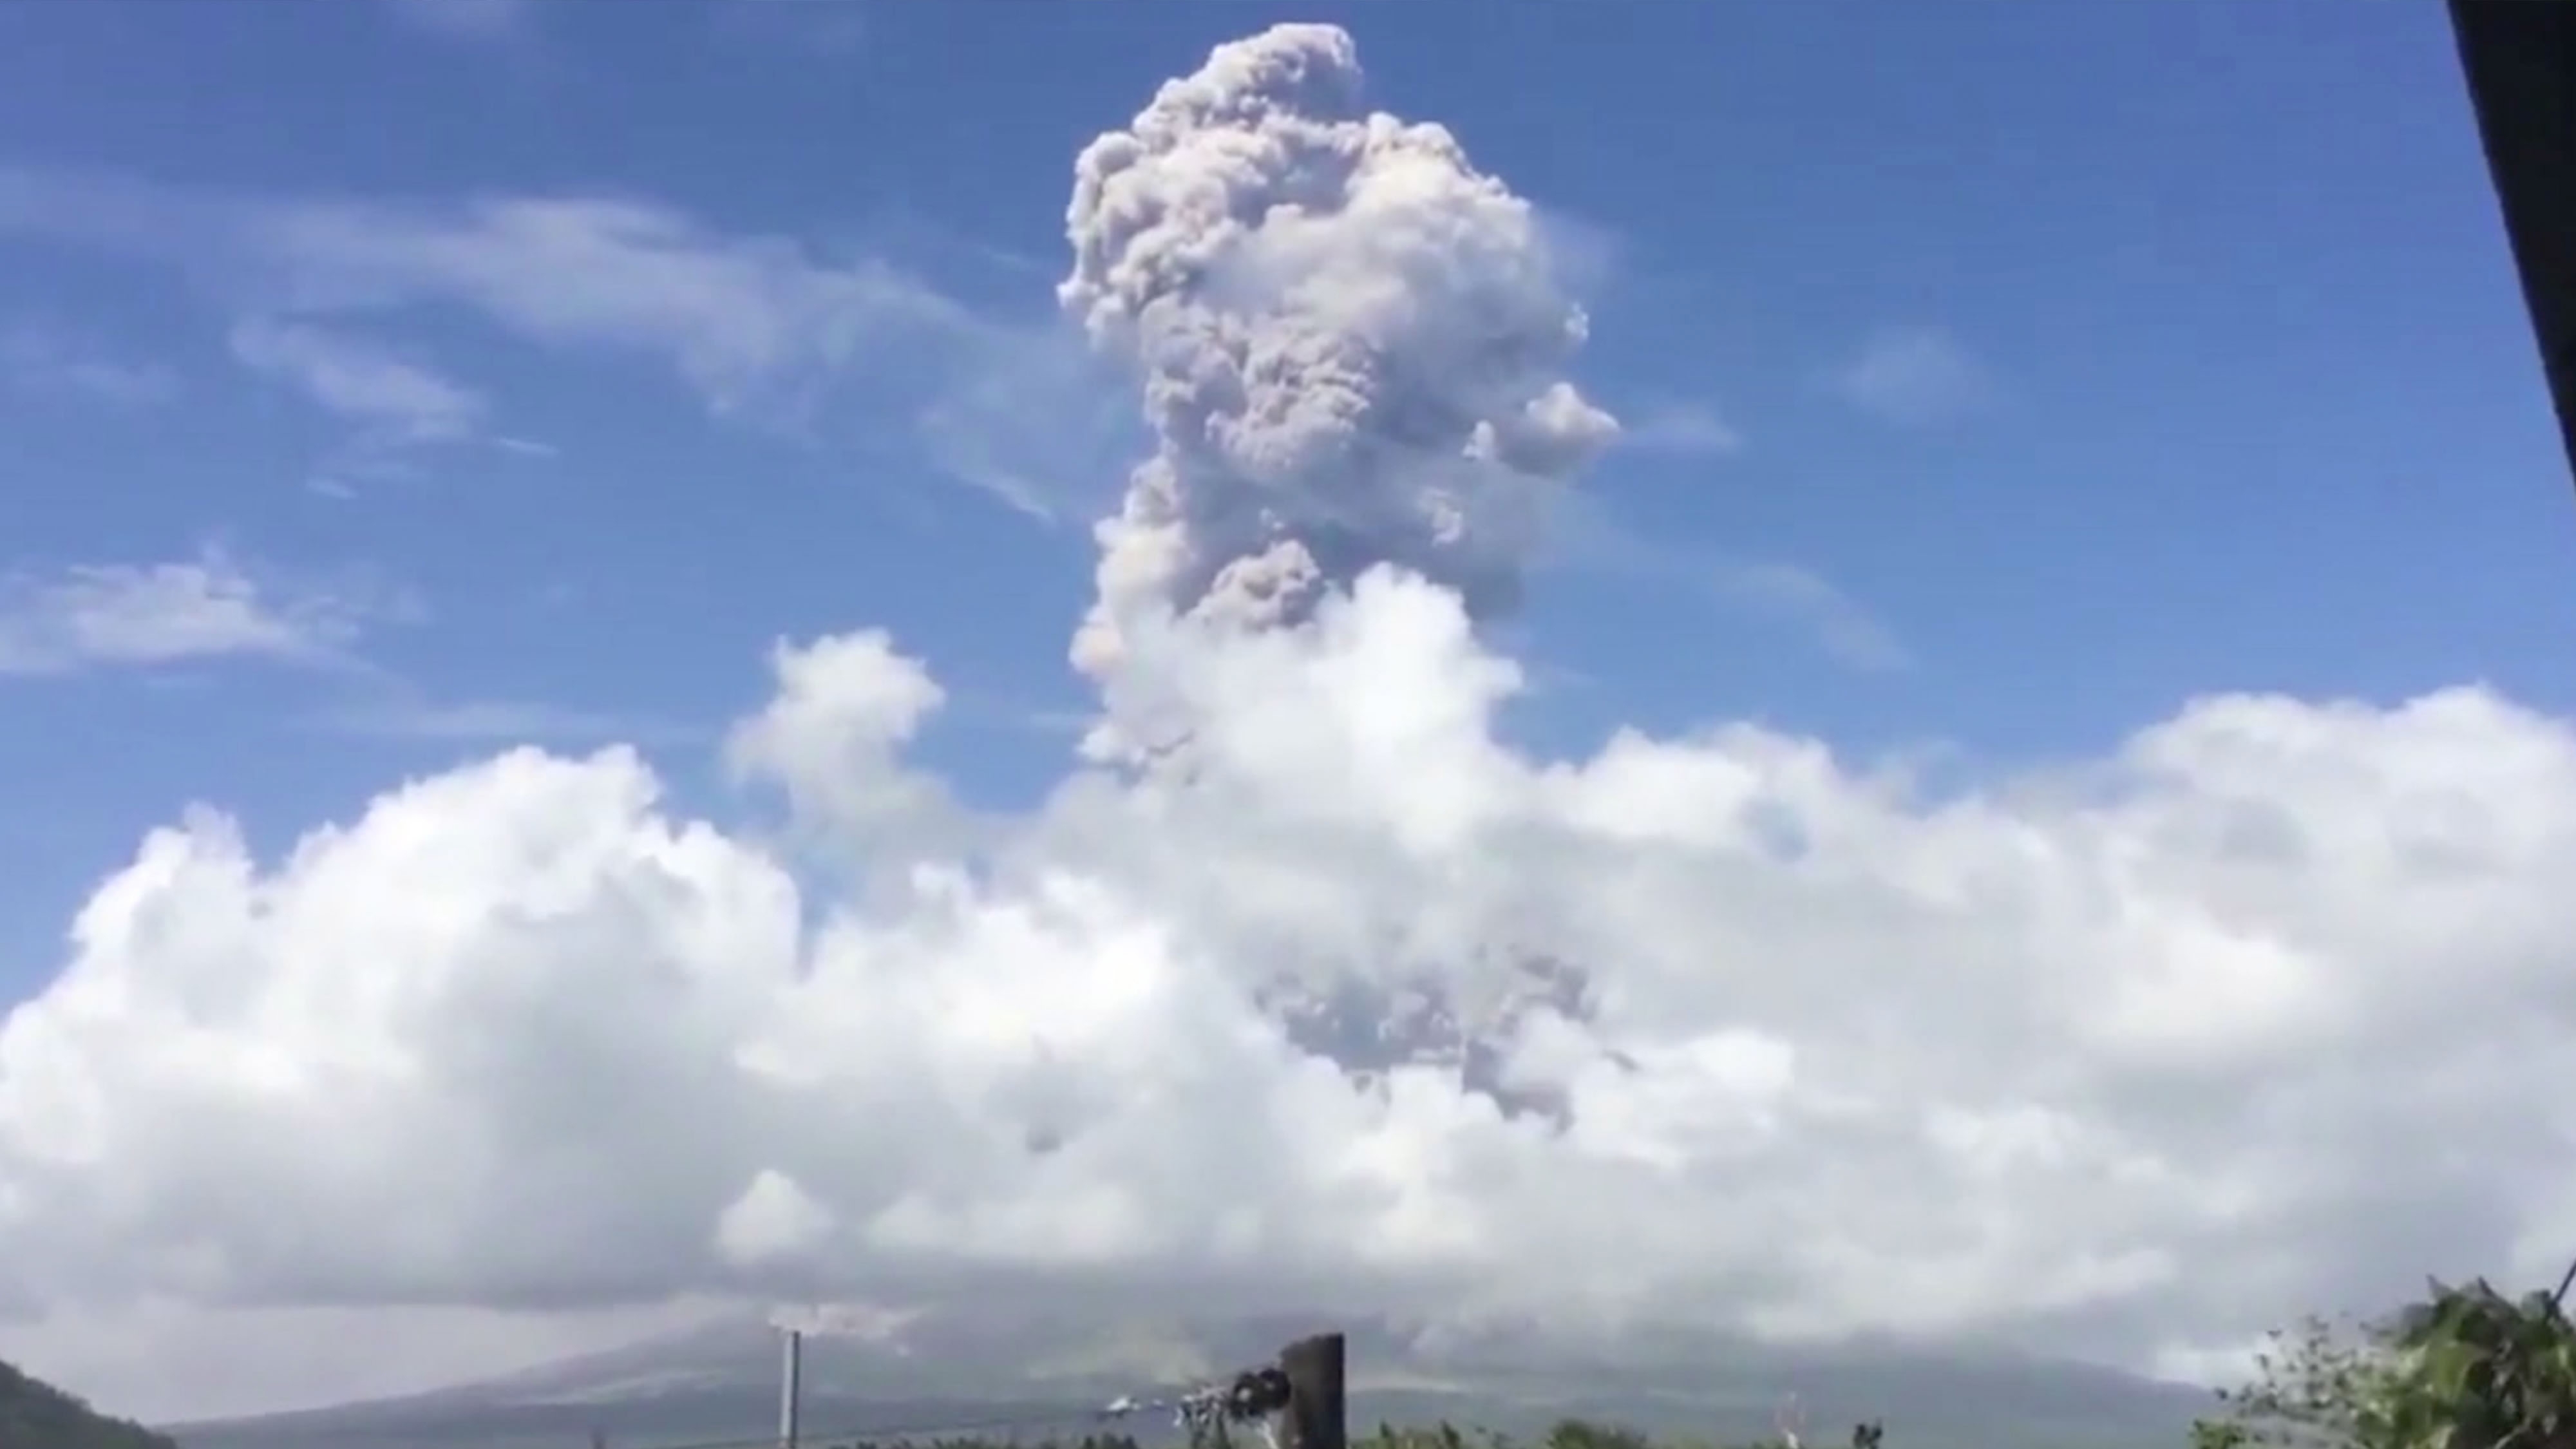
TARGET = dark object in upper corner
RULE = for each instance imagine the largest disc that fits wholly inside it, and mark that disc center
(2520, 57)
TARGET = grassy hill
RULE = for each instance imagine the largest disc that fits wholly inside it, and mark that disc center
(36, 1415)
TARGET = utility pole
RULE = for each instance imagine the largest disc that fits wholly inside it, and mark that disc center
(791, 1384)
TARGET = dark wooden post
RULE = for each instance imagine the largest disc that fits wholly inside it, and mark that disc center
(2520, 60)
(1316, 1412)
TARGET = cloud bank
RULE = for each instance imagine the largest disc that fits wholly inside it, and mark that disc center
(1335, 1000)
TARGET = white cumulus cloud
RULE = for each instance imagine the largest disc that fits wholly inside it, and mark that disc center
(1334, 999)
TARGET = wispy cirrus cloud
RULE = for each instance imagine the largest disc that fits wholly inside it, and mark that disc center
(212, 605)
(1679, 429)
(480, 21)
(1038, 425)
(1917, 376)
(216, 605)
(53, 363)
(1845, 628)
(395, 404)
(403, 712)
(746, 320)
(360, 380)
(753, 323)
(1588, 537)
(823, 28)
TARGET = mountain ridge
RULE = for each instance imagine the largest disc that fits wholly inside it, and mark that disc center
(717, 1383)
(36, 1415)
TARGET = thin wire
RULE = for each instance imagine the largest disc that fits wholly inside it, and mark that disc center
(970, 1426)
(1123, 1407)
(904, 1431)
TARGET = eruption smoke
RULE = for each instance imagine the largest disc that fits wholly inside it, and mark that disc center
(1352, 346)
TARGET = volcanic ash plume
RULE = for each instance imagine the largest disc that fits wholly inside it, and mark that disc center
(1352, 346)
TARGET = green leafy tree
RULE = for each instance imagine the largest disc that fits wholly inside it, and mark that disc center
(2483, 1371)
(2464, 1368)
(2321, 1384)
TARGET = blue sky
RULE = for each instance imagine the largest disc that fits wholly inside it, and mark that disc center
(1998, 374)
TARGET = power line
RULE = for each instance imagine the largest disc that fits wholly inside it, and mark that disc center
(921, 1430)
(1248, 1395)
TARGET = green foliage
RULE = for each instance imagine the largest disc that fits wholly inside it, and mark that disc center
(2487, 1372)
(2323, 1383)
(2465, 1368)
(36, 1415)
(1568, 1434)
(2220, 1434)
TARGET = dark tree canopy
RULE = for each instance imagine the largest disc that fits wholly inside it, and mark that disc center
(36, 1415)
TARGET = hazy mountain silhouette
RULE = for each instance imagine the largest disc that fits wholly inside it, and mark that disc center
(720, 1383)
